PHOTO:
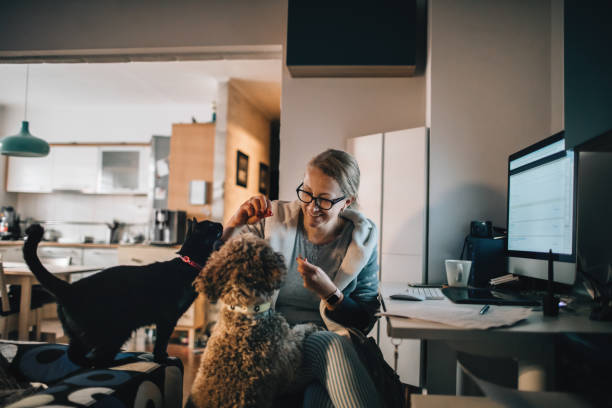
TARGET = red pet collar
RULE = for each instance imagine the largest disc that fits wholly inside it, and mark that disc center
(187, 260)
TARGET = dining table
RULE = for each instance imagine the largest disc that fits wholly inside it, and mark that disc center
(18, 273)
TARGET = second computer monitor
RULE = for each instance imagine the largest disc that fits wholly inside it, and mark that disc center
(541, 211)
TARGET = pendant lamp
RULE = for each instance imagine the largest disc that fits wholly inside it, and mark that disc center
(24, 144)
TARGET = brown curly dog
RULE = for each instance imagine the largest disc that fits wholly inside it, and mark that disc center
(252, 355)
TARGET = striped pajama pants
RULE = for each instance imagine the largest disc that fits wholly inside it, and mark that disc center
(335, 375)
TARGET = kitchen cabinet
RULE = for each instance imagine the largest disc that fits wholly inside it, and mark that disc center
(52, 252)
(90, 169)
(192, 157)
(104, 257)
(29, 174)
(393, 194)
(12, 254)
(123, 169)
(74, 168)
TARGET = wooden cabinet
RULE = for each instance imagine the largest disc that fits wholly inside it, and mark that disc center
(393, 194)
(191, 159)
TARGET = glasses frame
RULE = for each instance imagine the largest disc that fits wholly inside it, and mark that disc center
(317, 200)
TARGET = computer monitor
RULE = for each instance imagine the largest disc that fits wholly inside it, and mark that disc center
(541, 210)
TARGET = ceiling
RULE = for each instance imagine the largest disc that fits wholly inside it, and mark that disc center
(136, 83)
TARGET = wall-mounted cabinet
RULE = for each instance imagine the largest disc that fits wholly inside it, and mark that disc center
(123, 169)
(29, 174)
(90, 169)
(74, 168)
(356, 39)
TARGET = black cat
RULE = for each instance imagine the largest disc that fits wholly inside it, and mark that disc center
(99, 313)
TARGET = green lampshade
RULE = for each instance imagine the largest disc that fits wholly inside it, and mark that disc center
(24, 144)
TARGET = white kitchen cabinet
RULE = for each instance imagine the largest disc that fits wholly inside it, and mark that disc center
(75, 168)
(54, 252)
(103, 257)
(12, 253)
(29, 174)
(88, 169)
(123, 170)
(393, 194)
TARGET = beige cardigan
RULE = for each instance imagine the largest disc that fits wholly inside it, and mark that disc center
(280, 230)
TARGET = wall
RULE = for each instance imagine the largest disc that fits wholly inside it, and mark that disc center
(248, 130)
(490, 96)
(322, 113)
(491, 91)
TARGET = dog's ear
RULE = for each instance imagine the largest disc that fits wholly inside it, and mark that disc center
(211, 278)
(275, 269)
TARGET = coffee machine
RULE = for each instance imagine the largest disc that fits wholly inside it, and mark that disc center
(9, 224)
(168, 227)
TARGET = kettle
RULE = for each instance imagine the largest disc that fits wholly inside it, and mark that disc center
(116, 229)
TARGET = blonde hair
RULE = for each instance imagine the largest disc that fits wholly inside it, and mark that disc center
(343, 168)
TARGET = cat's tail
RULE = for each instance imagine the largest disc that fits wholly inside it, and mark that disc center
(59, 288)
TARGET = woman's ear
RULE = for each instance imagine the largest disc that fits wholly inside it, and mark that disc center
(348, 202)
(210, 280)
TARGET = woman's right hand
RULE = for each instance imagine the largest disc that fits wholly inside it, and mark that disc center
(251, 211)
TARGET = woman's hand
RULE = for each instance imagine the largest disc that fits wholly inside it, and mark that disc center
(251, 211)
(315, 278)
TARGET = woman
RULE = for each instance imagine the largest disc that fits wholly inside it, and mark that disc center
(332, 279)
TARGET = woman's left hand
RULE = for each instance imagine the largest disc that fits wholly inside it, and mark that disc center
(315, 278)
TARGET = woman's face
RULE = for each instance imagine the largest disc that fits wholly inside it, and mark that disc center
(321, 185)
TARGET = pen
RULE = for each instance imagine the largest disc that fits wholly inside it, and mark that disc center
(484, 309)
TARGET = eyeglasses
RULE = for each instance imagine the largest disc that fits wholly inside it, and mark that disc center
(322, 203)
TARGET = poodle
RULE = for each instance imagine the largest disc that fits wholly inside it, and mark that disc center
(252, 355)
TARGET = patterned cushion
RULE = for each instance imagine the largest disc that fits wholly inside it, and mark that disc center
(133, 380)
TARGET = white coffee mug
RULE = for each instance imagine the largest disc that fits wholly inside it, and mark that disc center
(457, 272)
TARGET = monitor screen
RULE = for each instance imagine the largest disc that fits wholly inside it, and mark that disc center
(542, 204)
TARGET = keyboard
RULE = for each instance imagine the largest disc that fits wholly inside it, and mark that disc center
(426, 293)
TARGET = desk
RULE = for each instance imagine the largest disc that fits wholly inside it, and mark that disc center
(530, 341)
(19, 274)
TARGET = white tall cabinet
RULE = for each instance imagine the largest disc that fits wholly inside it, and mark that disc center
(393, 194)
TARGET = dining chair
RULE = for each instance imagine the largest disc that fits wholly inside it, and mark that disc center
(8, 313)
(11, 297)
(4, 298)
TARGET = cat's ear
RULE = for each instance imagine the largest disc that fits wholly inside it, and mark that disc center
(211, 278)
(189, 228)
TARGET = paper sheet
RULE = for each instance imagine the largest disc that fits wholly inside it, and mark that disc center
(465, 316)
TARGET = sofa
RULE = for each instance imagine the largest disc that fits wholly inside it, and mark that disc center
(133, 380)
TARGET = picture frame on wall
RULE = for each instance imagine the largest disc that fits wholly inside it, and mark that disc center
(264, 178)
(242, 169)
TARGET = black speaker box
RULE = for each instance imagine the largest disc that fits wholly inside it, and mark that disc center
(488, 256)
